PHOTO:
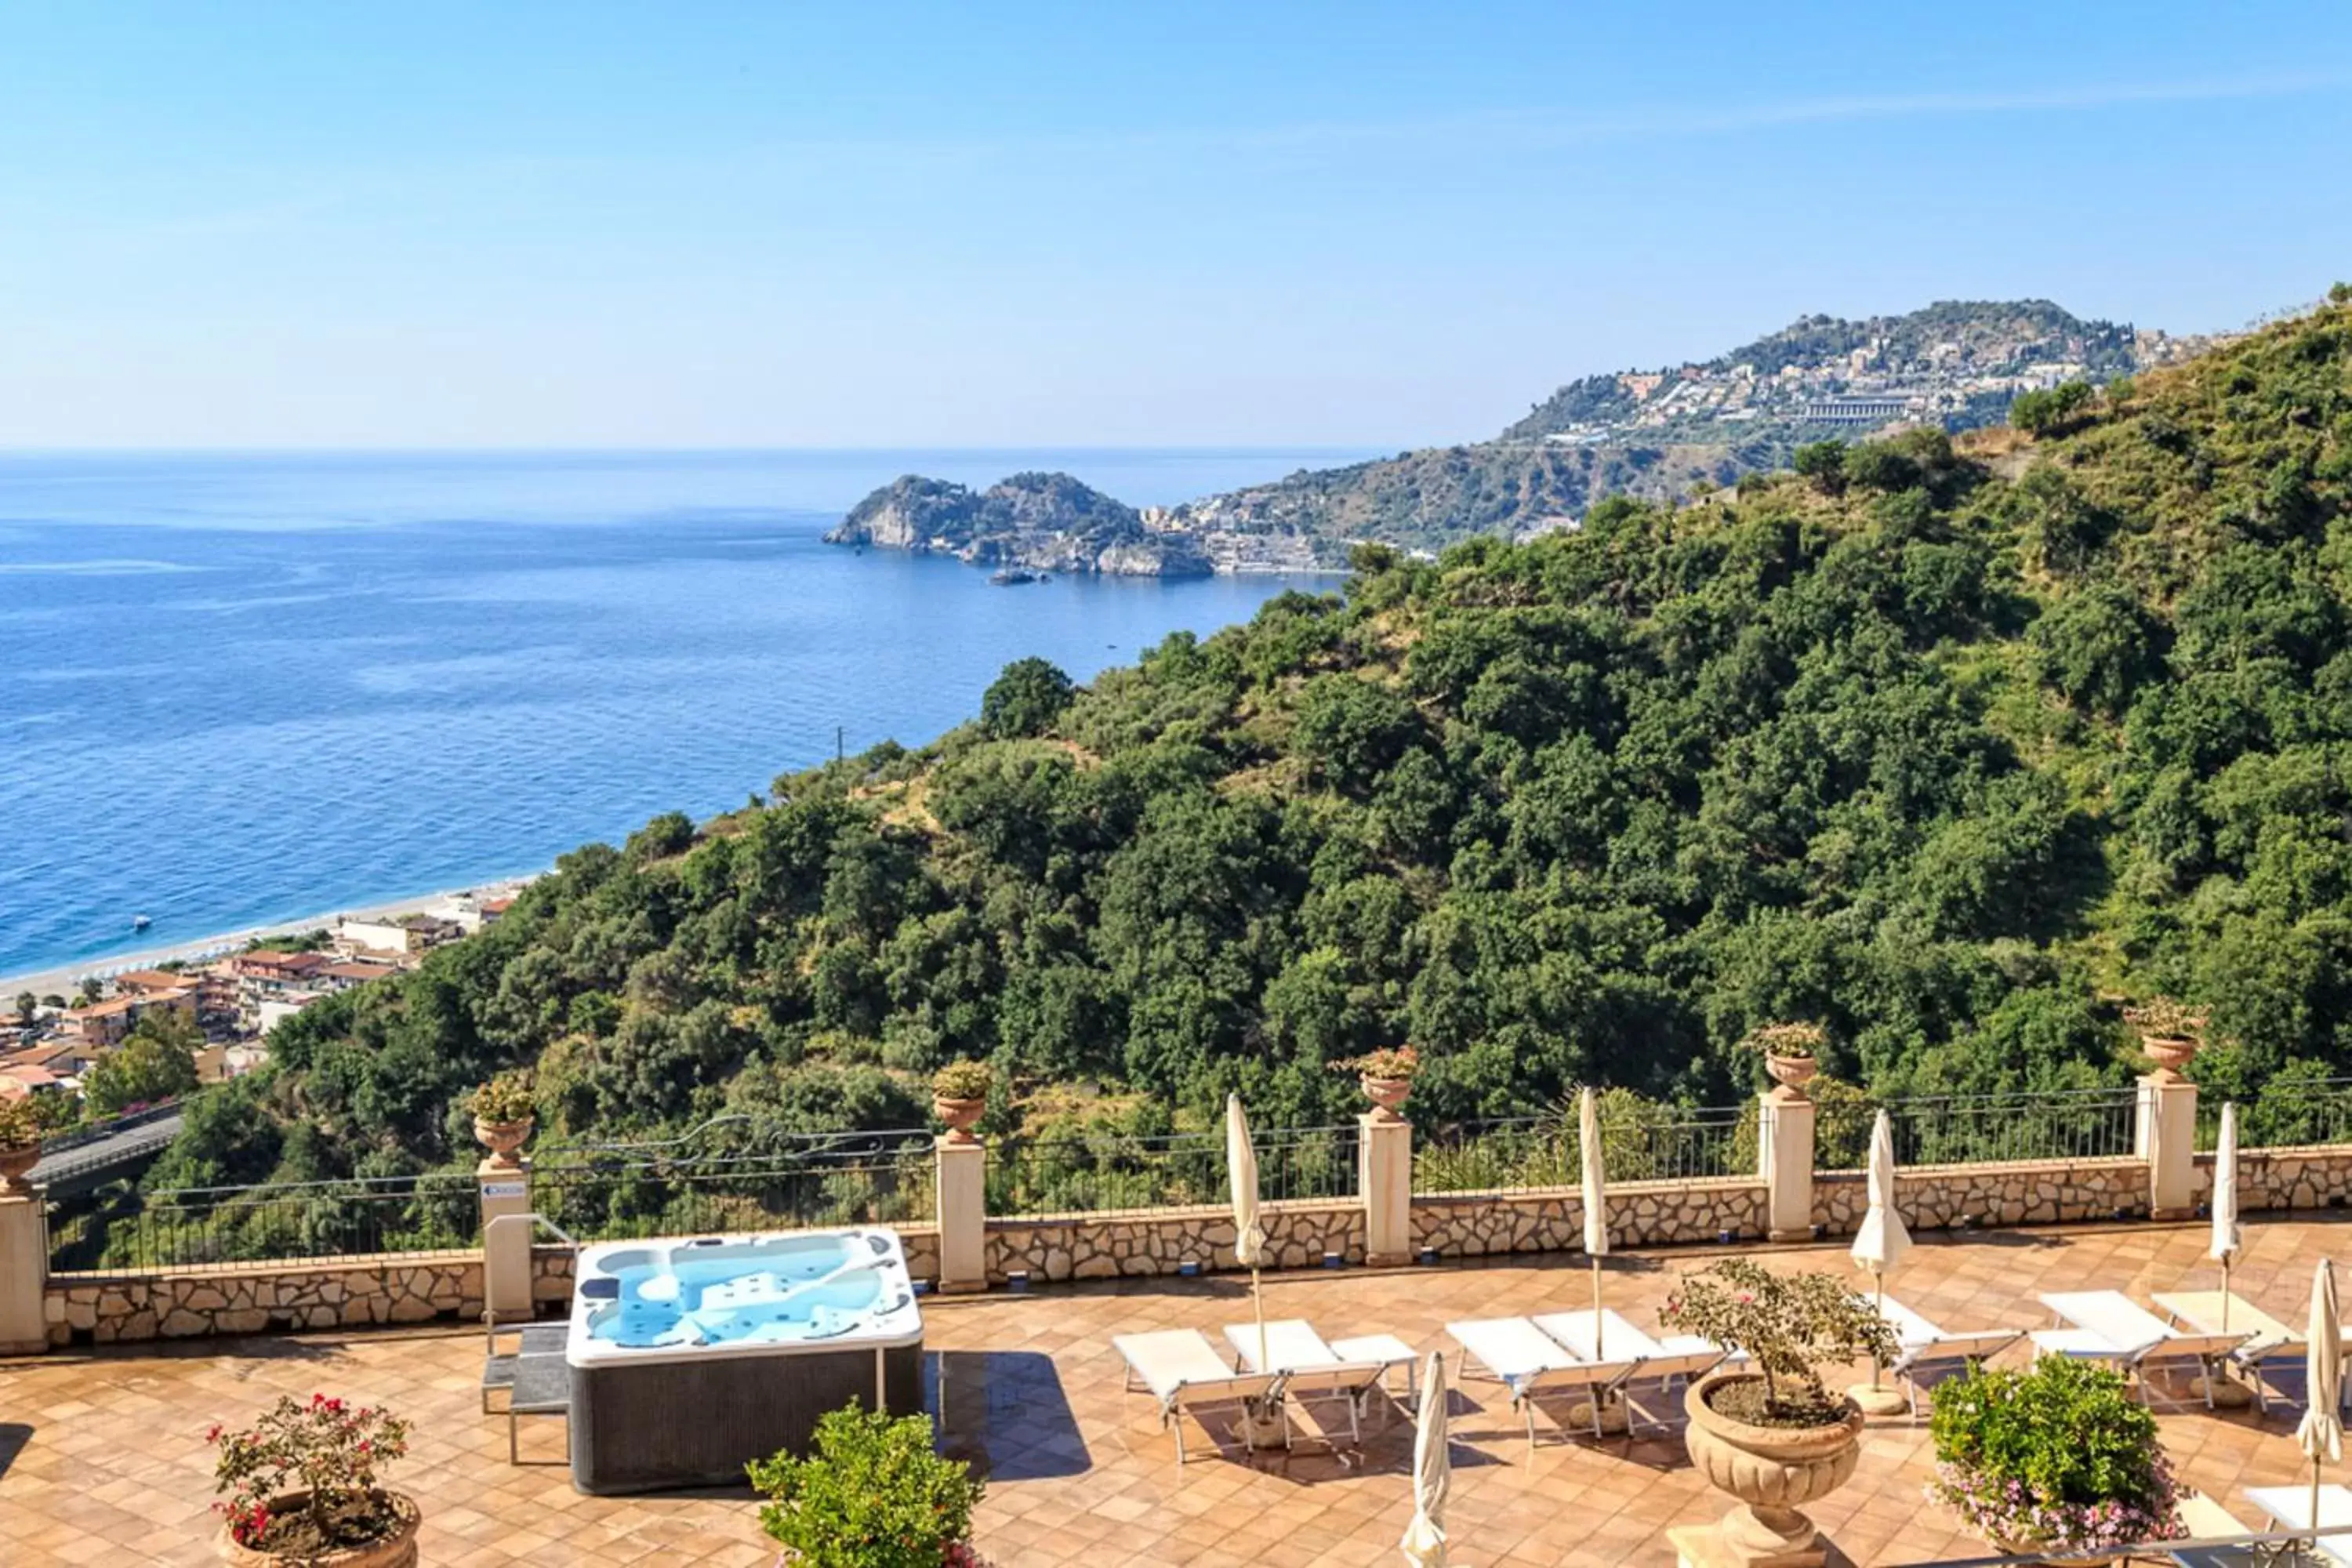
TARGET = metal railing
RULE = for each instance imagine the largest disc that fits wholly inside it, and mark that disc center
(1102, 1171)
(1530, 1154)
(92, 1132)
(796, 1183)
(2004, 1129)
(221, 1227)
(2288, 1113)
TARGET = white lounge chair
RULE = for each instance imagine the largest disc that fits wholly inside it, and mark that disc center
(1392, 1353)
(1183, 1370)
(2108, 1326)
(1925, 1355)
(2289, 1508)
(2268, 1339)
(1661, 1363)
(1531, 1364)
(1307, 1365)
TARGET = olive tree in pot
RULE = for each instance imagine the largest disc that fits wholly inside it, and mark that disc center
(1771, 1434)
(299, 1486)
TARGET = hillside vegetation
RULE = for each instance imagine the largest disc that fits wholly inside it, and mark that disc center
(1947, 749)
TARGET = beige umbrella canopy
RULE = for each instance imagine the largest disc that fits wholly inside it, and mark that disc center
(2321, 1434)
(1596, 1196)
(1878, 1246)
(1249, 1237)
(2227, 1238)
(1432, 1473)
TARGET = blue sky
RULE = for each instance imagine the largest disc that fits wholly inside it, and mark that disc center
(879, 224)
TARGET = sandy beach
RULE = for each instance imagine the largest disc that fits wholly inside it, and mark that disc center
(63, 979)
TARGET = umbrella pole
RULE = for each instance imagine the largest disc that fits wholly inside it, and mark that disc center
(1877, 1305)
(1596, 1304)
(2315, 1505)
(1257, 1300)
(2226, 1258)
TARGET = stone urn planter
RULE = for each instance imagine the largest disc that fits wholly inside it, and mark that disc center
(1388, 1094)
(397, 1550)
(504, 1140)
(16, 1162)
(1792, 1072)
(959, 1117)
(2169, 1054)
(1771, 1470)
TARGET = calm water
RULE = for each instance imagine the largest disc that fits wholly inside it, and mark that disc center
(243, 690)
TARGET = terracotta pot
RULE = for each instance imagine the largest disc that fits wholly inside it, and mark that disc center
(2168, 1052)
(503, 1139)
(1794, 1071)
(15, 1161)
(397, 1550)
(1770, 1469)
(1387, 1093)
(959, 1116)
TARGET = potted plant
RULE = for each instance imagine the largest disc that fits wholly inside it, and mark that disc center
(1791, 1051)
(2169, 1031)
(872, 1493)
(1773, 1435)
(503, 1116)
(20, 1141)
(960, 1097)
(1386, 1078)
(2058, 1459)
(300, 1487)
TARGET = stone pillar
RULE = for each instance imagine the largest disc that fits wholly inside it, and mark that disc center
(504, 1186)
(1784, 1159)
(962, 1165)
(2165, 1135)
(23, 1273)
(1384, 1169)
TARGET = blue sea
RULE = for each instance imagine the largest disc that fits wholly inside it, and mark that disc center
(242, 689)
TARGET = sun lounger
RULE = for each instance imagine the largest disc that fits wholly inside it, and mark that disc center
(1391, 1352)
(2109, 1326)
(2289, 1508)
(1307, 1365)
(1656, 1364)
(2206, 1520)
(1926, 1354)
(1183, 1370)
(1531, 1364)
(2270, 1340)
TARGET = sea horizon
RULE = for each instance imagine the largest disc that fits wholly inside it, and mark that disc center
(238, 687)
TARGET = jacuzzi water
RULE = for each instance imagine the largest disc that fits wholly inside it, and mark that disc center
(741, 1293)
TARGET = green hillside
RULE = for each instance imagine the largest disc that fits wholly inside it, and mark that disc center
(1948, 749)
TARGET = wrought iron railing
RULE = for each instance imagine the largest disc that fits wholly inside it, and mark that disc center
(2002, 1129)
(783, 1183)
(2288, 1112)
(1102, 1171)
(1644, 1142)
(206, 1227)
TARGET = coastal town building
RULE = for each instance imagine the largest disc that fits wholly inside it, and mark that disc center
(396, 936)
(105, 1024)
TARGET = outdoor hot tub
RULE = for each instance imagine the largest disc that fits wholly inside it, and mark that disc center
(690, 1357)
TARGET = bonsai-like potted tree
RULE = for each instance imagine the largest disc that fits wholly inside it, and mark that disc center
(1385, 1076)
(872, 1493)
(2169, 1031)
(2058, 1458)
(960, 1097)
(20, 1141)
(503, 1116)
(1791, 1051)
(299, 1486)
(1774, 1436)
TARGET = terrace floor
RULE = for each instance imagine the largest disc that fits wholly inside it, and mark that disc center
(102, 1459)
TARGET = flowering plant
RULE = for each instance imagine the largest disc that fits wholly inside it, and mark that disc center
(2162, 1018)
(504, 1100)
(1389, 1061)
(328, 1448)
(1791, 1325)
(1786, 1039)
(2060, 1457)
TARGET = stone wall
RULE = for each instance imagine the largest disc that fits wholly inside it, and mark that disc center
(1641, 1214)
(1100, 1247)
(2029, 1191)
(402, 1288)
(2309, 1178)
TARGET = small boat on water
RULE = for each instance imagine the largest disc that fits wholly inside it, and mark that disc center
(139, 922)
(1012, 576)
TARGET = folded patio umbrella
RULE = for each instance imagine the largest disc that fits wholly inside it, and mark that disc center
(1596, 1196)
(1882, 1241)
(1249, 1237)
(2321, 1434)
(1432, 1473)
(2227, 1239)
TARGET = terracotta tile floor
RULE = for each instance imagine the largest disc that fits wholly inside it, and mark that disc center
(102, 1459)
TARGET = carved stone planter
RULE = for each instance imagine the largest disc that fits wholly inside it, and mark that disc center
(1771, 1470)
(1794, 1071)
(15, 1162)
(504, 1140)
(1387, 1094)
(959, 1117)
(397, 1550)
(2169, 1054)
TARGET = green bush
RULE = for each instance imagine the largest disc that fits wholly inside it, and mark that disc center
(2060, 1456)
(871, 1495)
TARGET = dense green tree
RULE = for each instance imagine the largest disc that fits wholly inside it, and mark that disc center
(157, 1060)
(1024, 699)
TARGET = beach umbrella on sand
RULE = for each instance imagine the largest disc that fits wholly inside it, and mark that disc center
(2321, 1435)
(1432, 1473)
(2227, 1238)
(1878, 1246)
(1596, 1197)
(1249, 1237)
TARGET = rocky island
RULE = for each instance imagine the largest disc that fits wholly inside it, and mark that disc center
(1040, 522)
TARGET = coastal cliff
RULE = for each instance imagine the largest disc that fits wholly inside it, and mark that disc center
(1041, 523)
